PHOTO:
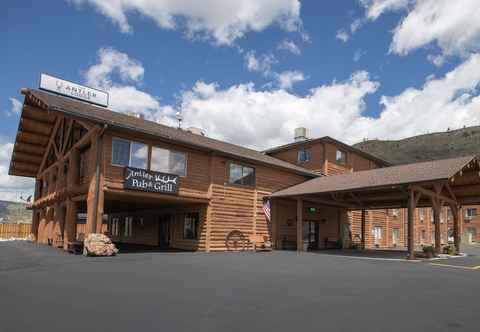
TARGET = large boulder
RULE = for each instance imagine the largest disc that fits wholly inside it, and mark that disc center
(31, 237)
(98, 245)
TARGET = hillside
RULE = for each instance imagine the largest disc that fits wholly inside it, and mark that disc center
(454, 143)
(13, 212)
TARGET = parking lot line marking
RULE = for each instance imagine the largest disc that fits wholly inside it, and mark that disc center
(457, 266)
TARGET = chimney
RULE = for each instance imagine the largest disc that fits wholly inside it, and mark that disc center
(300, 134)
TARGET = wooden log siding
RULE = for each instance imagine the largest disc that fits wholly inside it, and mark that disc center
(18, 231)
(231, 207)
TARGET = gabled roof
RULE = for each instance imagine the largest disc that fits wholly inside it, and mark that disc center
(387, 177)
(119, 120)
(331, 140)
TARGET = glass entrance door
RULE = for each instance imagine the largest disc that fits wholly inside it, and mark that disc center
(310, 234)
(164, 231)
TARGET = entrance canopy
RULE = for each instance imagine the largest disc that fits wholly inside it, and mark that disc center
(452, 181)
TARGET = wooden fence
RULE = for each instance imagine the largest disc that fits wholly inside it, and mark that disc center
(8, 231)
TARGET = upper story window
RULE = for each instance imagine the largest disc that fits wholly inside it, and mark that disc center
(421, 214)
(243, 175)
(341, 157)
(470, 213)
(168, 161)
(128, 153)
(304, 155)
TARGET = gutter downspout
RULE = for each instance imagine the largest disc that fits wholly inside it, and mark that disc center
(97, 176)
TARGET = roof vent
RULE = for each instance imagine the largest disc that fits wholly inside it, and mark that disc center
(196, 131)
(300, 134)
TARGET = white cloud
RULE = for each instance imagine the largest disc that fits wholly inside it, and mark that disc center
(16, 108)
(263, 118)
(118, 74)
(286, 79)
(12, 187)
(113, 62)
(375, 8)
(262, 63)
(358, 55)
(290, 46)
(219, 20)
(343, 35)
(453, 26)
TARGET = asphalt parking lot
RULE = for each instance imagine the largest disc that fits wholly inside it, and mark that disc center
(43, 289)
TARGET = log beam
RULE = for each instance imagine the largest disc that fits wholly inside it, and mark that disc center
(411, 224)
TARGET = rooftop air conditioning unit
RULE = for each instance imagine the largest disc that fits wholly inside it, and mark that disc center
(300, 134)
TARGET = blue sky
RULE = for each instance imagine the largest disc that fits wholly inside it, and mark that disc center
(250, 73)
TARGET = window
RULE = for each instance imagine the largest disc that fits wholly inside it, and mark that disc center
(242, 175)
(341, 157)
(395, 235)
(127, 153)
(421, 215)
(304, 155)
(138, 155)
(449, 214)
(423, 235)
(114, 230)
(168, 161)
(377, 234)
(470, 213)
(128, 227)
(190, 226)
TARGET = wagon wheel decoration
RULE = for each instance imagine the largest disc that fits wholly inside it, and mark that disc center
(236, 241)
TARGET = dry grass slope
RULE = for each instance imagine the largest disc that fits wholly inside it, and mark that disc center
(454, 143)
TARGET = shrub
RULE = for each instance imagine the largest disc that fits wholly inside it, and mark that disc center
(429, 251)
(449, 250)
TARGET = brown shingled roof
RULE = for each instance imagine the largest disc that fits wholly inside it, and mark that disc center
(380, 177)
(115, 119)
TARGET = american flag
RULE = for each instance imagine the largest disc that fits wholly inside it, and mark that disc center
(266, 209)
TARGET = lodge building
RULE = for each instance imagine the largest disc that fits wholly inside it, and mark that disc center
(149, 184)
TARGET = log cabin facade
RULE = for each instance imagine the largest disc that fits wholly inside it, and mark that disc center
(115, 170)
(83, 156)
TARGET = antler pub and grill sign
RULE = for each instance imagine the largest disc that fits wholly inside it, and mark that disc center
(150, 181)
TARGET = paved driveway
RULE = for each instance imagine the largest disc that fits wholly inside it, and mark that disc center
(42, 289)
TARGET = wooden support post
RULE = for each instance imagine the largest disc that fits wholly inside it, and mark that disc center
(363, 230)
(456, 227)
(274, 223)
(344, 228)
(436, 219)
(95, 196)
(299, 224)
(35, 223)
(70, 229)
(208, 227)
(411, 225)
